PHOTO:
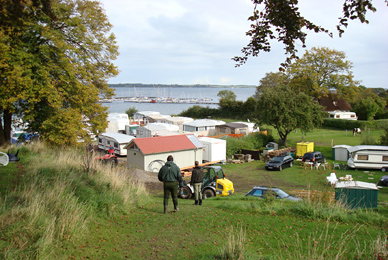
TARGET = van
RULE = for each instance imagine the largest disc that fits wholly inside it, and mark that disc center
(368, 157)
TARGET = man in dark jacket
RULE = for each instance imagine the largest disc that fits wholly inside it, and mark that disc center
(170, 175)
(196, 181)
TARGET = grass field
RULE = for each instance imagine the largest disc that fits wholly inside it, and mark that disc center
(55, 205)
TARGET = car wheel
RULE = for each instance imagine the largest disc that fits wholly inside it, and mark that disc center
(291, 164)
(208, 193)
(185, 193)
(384, 169)
(280, 168)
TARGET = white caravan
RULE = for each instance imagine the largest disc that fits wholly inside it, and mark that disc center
(343, 115)
(117, 140)
(368, 157)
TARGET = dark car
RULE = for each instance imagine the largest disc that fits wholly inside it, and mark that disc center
(279, 162)
(315, 157)
(262, 192)
(384, 180)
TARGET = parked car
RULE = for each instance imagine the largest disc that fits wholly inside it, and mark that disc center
(262, 192)
(384, 180)
(315, 157)
(279, 162)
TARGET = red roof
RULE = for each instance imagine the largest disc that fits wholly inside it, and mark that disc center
(159, 144)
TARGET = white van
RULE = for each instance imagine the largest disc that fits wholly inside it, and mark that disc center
(117, 140)
(369, 157)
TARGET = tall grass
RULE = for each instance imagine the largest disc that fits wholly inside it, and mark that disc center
(234, 249)
(58, 198)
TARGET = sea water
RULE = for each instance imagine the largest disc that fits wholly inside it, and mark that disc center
(242, 94)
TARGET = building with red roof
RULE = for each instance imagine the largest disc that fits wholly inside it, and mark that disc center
(151, 153)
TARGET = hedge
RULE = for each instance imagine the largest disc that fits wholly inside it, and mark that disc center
(350, 124)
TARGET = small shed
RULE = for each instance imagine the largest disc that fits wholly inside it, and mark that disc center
(340, 152)
(356, 194)
(150, 153)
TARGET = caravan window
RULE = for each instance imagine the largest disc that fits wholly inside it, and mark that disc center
(362, 157)
(337, 116)
(385, 158)
(116, 145)
(331, 116)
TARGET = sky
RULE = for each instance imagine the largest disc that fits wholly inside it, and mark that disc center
(194, 41)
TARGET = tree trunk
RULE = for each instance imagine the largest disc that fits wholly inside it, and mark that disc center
(7, 126)
(2, 142)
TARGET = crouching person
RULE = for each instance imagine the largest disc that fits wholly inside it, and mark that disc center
(196, 181)
(171, 176)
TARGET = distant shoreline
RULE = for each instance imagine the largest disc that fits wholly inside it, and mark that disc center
(141, 85)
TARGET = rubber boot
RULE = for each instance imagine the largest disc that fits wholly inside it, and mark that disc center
(196, 202)
(165, 209)
(200, 202)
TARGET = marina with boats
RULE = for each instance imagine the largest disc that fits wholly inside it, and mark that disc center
(160, 100)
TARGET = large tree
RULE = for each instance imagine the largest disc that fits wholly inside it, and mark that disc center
(270, 80)
(287, 110)
(321, 71)
(55, 59)
(368, 104)
(281, 20)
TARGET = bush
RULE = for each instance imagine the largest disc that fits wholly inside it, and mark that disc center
(249, 142)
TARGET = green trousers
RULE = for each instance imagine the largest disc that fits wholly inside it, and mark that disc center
(170, 187)
(197, 191)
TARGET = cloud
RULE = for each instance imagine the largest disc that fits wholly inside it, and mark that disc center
(193, 41)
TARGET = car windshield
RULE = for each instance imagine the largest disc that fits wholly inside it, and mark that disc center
(281, 194)
(275, 161)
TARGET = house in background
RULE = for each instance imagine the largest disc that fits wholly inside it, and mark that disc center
(232, 128)
(332, 103)
(150, 154)
(202, 127)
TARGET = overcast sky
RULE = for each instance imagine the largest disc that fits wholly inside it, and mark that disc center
(193, 41)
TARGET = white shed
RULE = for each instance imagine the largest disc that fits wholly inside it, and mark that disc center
(150, 154)
(340, 152)
(214, 149)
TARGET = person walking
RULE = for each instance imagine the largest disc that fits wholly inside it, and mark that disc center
(196, 181)
(171, 176)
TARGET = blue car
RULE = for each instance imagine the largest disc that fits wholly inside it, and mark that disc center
(262, 192)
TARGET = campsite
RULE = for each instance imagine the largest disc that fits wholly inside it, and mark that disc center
(252, 227)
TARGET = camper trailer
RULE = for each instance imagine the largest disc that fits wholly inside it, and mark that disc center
(368, 157)
(117, 140)
(343, 115)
